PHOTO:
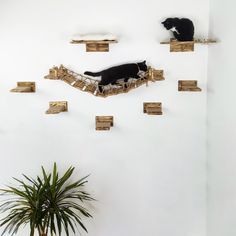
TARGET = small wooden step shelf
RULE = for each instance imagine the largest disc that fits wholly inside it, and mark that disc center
(104, 122)
(95, 45)
(188, 86)
(152, 108)
(186, 46)
(155, 75)
(57, 107)
(24, 87)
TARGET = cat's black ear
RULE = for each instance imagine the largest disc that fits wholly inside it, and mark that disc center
(144, 62)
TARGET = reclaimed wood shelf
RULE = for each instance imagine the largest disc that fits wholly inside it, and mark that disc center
(188, 86)
(24, 87)
(95, 45)
(152, 108)
(104, 122)
(57, 107)
(186, 46)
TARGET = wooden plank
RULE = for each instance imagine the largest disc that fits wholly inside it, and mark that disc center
(93, 41)
(24, 87)
(104, 122)
(152, 108)
(97, 47)
(176, 46)
(57, 107)
(155, 75)
(188, 86)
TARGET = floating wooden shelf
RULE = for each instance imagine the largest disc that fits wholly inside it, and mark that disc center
(188, 85)
(104, 122)
(24, 87)
(57, 107)
(186, 46)
(152, 108)
(95, 45)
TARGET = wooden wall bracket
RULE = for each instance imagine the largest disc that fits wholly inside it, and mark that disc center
(104, 122)
(155, 75)
(186, 46)
(95, 45)
(188, 85)
(24, 87)
(57, 107)
(152, 108)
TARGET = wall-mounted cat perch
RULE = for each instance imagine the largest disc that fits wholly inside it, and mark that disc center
(152, 108)
(90, 85)
(104, 122)
(188, 85)
(186, 46)
(57, 107)
(95, 43)
(24, 87)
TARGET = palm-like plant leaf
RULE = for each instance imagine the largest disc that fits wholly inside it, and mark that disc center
(48, 204)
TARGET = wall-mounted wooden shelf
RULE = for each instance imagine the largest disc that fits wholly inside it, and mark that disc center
(152, 108)
(57, 107)
(104, 122)
(187, 46)
(95, 45)
(155, 75)
(24, 87)
(188, 86)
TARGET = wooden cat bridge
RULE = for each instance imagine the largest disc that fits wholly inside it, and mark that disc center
(90, 85)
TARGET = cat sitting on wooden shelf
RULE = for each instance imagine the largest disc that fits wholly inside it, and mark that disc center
(182, 28)
(125, 71)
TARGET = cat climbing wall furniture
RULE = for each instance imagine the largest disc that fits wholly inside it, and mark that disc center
(90, 85)
(186, 46)
(104, 122)
(95, 43)
(24, 87)
(152, 108)
(188, 86)
(57, 107)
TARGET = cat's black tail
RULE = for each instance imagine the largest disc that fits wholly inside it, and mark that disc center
(92, 74)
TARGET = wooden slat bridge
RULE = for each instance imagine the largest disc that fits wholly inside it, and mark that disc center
(90, 85)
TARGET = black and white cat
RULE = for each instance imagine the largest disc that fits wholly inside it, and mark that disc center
(182, 28)
(125, 71)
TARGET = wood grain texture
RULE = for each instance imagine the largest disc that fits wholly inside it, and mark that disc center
(104, 122)
(152, 108)
(24, 87)
(97, 47)
(188, 86)
(57, 107)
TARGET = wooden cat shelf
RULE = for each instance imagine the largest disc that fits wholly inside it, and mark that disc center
(90, 85)
(104, 122)
(188, 85)
(95, 43)
(187, 46)
(57, 107)
(24, 87)
(152, 108)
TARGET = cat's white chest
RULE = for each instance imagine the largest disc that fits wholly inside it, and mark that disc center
(173, 29)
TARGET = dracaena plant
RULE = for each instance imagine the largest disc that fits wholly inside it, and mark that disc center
(49, 204)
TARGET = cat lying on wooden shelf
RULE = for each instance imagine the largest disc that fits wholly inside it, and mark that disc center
(125, 71)
(182, 28)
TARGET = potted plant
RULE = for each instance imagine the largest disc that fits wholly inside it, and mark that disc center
(48, 204)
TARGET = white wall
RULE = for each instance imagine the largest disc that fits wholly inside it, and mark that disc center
(221, 120)
(148, 173)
